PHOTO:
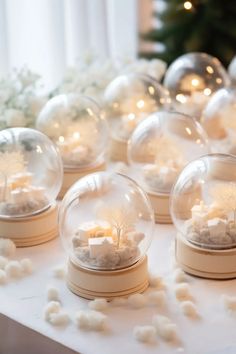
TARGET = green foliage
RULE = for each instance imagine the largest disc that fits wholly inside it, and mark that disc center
(209, 26)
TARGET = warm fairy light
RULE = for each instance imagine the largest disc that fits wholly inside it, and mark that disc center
(140, 104)
(210, 69)
(195, 82)
(76, 135)
(131, 116)
(90, 112)
(188, 130)
(218, 80)
(151, 90)
(181, 98)
(61, 139)
(207, 91)
(188, 5)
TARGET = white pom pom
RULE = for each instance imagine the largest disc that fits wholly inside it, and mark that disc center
(189, 309)
(137, 300)
(164, 327)
(59, 319)
(14, 269)
(182, 292)
(145, 334)
(98, 304)
(3, 262)
(52, 294)
(7, 247)
(157, 298)
(179, 276)
(59, 271)
(156, 282)
(90, 320)
(51, 307)
(119, 301)
(229, 302)
(3, 277)
(27, 265)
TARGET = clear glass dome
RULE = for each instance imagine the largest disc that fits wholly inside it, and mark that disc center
(203, 202)
(30, 172)
(73, 122)
(219, 120)
(106, 221)
(131, 98)
(191, 79)
(161, 146)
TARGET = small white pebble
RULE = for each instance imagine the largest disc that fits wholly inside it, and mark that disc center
(189, 309)
(98, 304)
(90, 320)
(51, 307)
(157, 298)
(59, 271)
(145, 334)
(3, 277)
(3, 262)
(52, 294)
(59, 319)
(119, 301)
(229, 302)
(27, 265)
(14, 269)
(137, 300)
(164, 327)
(182, 292)
(7, 247)
(179, 276)
(156, 282)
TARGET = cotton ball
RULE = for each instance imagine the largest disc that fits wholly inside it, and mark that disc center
(3, 262)
(156, 282)
(27, 265)
(137, 300)
(179, 276)
(119, 301)
(3, 277)
(59, 319)
(182, 292)
(164, 327)
(51, 307)
(157, 298)
(59, 271)
(90, 320)
(14, 269)
(229, 302)
(189, 309)
(98, 304)
(52, 294)
(144, 334)
(7, 247)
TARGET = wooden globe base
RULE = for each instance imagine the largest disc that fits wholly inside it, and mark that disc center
(160, 204)
(118, 150)
(31, 230)
(109, 284)
(73, 175)
(205, 263)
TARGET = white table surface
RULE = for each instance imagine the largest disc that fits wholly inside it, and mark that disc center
(22, 303)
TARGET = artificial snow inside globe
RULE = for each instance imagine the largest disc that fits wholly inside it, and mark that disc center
(219, 121)
(128, 100)
(74, 123)
(203, 209)
(191, 80)
(30, 180)
(158, 150)
(106, 225)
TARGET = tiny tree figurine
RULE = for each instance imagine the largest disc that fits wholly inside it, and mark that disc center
(225, 196)
(119, 218)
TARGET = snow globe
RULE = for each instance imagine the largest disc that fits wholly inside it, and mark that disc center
(191, 80)
(203, 209)
(158, 150)
(74, 123)
(30, 180)
(219, 121)
(129, 99)
(106, 225)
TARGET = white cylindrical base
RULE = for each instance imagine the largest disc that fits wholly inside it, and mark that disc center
(205, 263)
(73, 175)
(31, 230)
(108, 284)
(118, 150)
(160, 204)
